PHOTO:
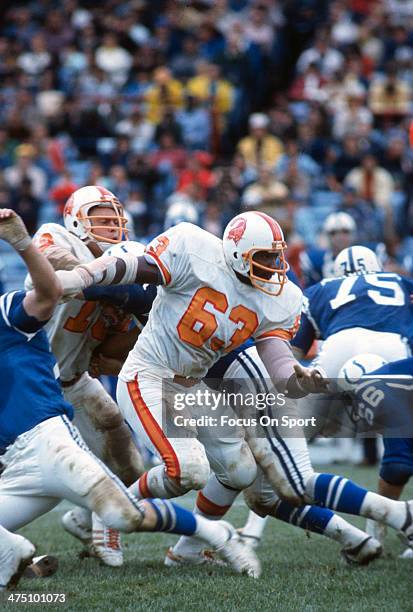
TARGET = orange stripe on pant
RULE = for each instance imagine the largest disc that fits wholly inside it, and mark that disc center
(208, 507)
(143, 486)
(155, 433)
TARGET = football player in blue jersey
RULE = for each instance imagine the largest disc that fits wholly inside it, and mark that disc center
(317, 263)
(361, 310)
(382, 401)
(44, 456)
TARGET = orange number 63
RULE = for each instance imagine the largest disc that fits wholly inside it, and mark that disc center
(198, 325)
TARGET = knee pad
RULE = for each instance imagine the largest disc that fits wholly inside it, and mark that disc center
(194, 467)
(240, 470)
(396, 473)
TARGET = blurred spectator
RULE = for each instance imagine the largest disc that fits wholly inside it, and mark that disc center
(390, 96)
(326, 57)
(166, 93)
(38, 59)
(371, 182)
(198, 172)
(113, 59)
(26, 169)
(26, 204)
(368, 221)
(195, 123)
(352, 116)
(259, 147)
(266, 194)
(138, 129)
(62, 191)
(183, 64)
(216, 93)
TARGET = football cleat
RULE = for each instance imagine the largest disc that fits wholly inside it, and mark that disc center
(72, 522)
(376, 530)
(242, 558)
(362, 554)
(42, 567)
(106, 544)
(407, 529)
(14, 559)
(203, 557)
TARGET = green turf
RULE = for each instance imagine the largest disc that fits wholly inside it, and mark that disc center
(299, 573)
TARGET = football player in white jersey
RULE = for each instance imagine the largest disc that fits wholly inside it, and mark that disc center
(94, 221)
(199, 314)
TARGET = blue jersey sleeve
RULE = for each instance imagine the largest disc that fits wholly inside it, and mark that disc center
(15, 315)
(305, 335)
(133, 299)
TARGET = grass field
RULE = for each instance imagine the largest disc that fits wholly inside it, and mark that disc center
(300, 573)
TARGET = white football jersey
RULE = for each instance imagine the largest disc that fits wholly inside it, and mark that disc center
(203, 311)
(76, 327)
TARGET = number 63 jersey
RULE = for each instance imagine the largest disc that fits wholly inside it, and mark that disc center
(380, 302)
(203, 311)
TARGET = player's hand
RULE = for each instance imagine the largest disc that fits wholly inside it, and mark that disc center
(103, 366)
(311, 380)
(13, 230)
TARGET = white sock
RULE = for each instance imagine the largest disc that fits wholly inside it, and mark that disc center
(254, 526)
(210, 532)
(212, 503)
(341, 531)
(388, 511)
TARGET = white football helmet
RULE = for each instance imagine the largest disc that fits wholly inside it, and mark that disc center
(77, 219)
(356, 260)
(180, 212)
(356, 367)
(250, 233)
(128, 246)
(339, 221)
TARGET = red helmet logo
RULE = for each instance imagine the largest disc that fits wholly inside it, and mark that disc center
(237, 230)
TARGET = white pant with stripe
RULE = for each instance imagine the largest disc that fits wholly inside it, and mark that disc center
(51, 462)
(189, 458)
(284, 462)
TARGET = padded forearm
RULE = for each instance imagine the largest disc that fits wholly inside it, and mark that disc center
(279, 361)
(106, 270)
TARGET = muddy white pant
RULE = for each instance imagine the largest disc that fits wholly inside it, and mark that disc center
(102, 427)
(188, 452)
(51, 462)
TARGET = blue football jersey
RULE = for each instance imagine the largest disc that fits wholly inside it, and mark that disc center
(378, 302)
(30, 393)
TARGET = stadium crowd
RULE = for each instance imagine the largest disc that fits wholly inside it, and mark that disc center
(295, 108)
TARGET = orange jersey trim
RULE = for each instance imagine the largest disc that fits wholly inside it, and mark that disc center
(208, 507)
(166, 275)
(284, 334)
(155, 433)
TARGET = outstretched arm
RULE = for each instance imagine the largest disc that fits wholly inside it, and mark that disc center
(41, 301)
(285, 371)
(109, 270)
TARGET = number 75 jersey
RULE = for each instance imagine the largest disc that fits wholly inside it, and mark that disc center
(203, 311)
(379, 302)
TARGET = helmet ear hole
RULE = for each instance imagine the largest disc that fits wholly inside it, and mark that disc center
(75, 223)
(235, 255)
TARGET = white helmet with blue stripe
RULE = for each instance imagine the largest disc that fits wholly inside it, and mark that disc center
(356, 367)
(179, 212)
(356, 260)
